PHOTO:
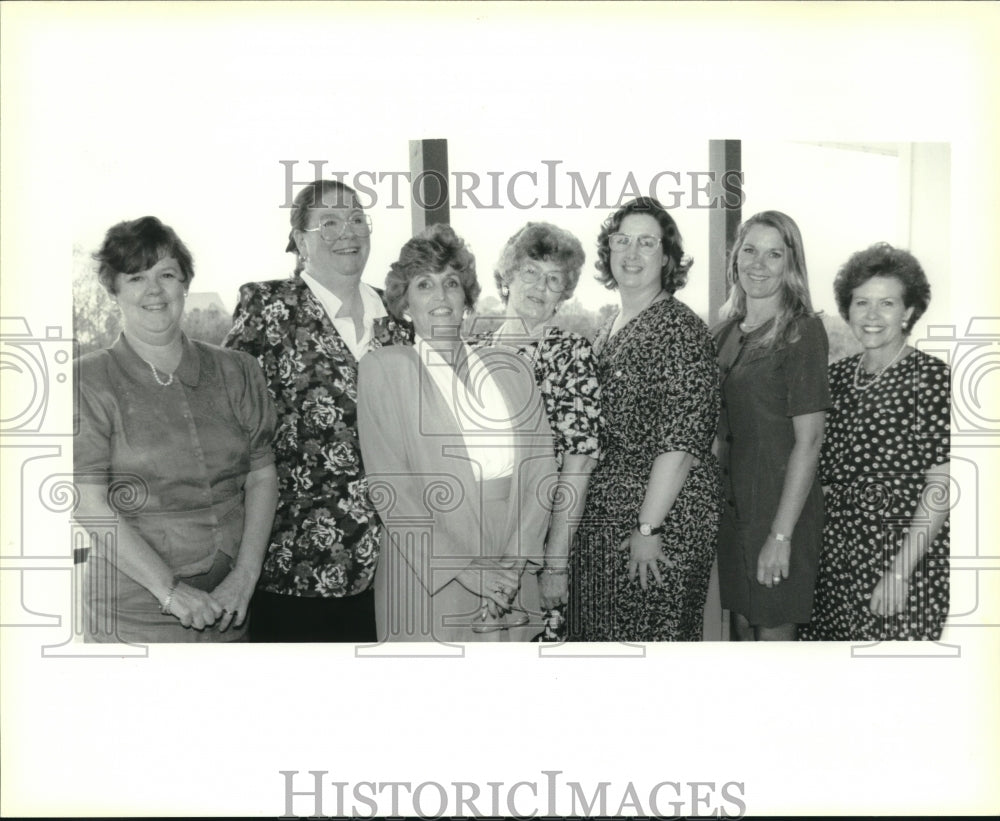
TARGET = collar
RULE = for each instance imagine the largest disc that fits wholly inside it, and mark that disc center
(372, 302)
(188, 371)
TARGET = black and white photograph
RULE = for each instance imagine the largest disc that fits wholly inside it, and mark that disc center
(484, 377)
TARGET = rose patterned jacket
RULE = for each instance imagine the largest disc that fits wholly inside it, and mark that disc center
(325, 539)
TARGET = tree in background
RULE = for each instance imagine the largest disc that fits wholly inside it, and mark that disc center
(571, 316)
(97, 320)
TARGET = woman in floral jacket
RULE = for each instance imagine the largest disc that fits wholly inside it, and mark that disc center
(308, 333)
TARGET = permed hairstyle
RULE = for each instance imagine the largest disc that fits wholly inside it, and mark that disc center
(795, 301)
(676, 265)
(542, 242)
(882, 260)
(431, 251)
(137, 245)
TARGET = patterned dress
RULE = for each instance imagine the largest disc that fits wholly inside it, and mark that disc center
(659, 393)
(879, 443)
(565, 371)
(326, 534)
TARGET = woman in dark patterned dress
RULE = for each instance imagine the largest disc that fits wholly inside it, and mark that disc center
(884, 567)
(538, 269)
(644, 551)
(308, 333)
(773, 354)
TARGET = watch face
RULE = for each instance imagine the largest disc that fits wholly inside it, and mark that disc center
(645, 529)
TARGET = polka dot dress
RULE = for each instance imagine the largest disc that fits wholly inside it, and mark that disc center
(879, 441)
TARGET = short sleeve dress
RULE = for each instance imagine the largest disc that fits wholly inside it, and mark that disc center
(659, 393)
(880, 440)
(763, 388)
(175, 458)
(565, 370)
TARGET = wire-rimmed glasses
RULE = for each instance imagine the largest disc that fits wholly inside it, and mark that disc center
(555, 281)
(646, 243)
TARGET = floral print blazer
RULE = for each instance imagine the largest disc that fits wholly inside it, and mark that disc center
(326, 533)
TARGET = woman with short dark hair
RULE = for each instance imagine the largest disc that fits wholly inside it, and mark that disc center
(883, 571)
(174, 443)
(458, 453)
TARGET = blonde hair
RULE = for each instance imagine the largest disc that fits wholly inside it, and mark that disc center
(794, 302)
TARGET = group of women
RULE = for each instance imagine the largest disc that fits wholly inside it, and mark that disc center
(353, 466)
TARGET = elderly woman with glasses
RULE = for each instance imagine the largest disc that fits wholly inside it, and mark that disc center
(309, 332)
(538, 270)
(459, 457)
(644, 551)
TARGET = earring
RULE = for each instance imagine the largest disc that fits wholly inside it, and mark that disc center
(504, 291)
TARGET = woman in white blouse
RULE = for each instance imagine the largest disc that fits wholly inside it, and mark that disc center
(459, 460)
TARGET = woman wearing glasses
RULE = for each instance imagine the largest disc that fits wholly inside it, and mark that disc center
(539, 269)
(309, 332)
(644, 551)
(773, 355)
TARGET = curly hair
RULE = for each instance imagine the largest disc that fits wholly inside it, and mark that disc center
(317, 194)
(543, 242)
(676, 264)
(137, 245)
(433, 250)
(795, 300)
(882, 260)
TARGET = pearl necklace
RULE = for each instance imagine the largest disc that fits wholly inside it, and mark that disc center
(873, 378)
(156, 376)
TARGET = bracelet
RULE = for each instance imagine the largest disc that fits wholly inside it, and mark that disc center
(555, 571)
(781, 537)
(165, 607)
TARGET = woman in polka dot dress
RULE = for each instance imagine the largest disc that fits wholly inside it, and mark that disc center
(884, 566)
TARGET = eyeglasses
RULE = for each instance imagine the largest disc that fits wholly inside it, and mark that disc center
(332, 228)
(554, 280)
(622, 242)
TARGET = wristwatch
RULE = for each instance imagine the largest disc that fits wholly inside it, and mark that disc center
(646, 529)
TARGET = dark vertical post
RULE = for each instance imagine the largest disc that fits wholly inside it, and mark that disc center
(723, 156)
(429, 188)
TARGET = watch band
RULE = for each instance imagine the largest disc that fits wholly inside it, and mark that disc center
(646, 529)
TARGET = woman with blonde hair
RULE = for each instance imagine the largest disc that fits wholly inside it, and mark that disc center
(773, 358)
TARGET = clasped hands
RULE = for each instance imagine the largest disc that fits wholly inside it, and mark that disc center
(228, 604)
(495, 581)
